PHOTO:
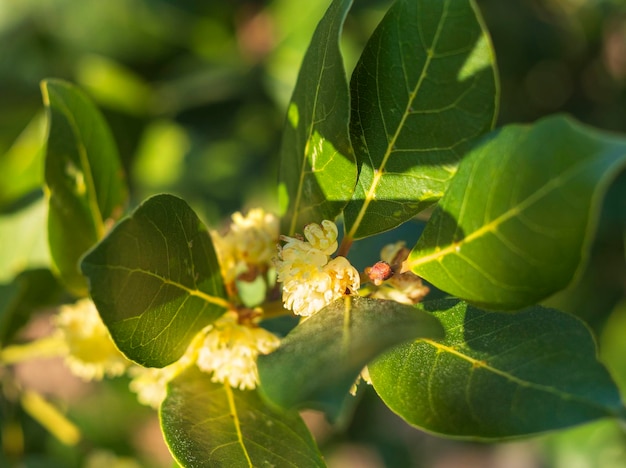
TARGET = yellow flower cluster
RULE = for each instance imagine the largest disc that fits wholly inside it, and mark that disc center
(311, 280)
(91, 353)
(249, 244)
(230, 349)
(225, 349)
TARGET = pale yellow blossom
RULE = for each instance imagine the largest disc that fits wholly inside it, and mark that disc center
(150, 383)
(322, 237)
(91, 353)
(249, 243)
(229, 351)
(364, 376)
(311, 280)
(256, 235)
(226, 349)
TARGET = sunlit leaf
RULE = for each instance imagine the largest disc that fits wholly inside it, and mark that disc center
(320, 359)
(317, 169)
(155, 281)
(23, 243)
(113, 85)
(498, 374)
(209, 424)
(424, 87)
(21, 167)
(160, 158)
(84, 178)
(295, 24)
(520, 214)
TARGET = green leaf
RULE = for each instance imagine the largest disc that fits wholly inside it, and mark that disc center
(208, 424)
(320, 359)
(156, 281)
(23, 245)
(84, 178)
(424, 87)
(497, 374)
(599, 286)
(520, 214)
(21, 168)
(317, 169)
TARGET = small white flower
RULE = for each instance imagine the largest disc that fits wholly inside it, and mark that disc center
(249, 243)
(310, 279)
(91, 353)
(229, 351)
(150, 383)
(322, 237)
(255, 236)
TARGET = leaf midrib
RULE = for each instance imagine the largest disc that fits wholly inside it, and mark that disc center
(92, 199)
(494, 224)
(216, 300)
(479, 364)
(303, 166)
(235, 417)
(370, 195)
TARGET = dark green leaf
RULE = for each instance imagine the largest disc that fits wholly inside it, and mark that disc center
(84, 179)
(424, 87)
(320, 359)
(156, 281)
(519, 215)
(317, 168)
(599, 287)
(497, 374)
(209, 424)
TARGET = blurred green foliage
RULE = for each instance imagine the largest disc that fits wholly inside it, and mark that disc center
(195, 93)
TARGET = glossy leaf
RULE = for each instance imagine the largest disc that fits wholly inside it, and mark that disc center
(425, 86)
(320, 359)
(317, 169)
(84, 178)
(156, 281)
(208, 424)
(520, 214)
(498, 375)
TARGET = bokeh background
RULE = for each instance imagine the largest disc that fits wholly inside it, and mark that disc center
(195, 93)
